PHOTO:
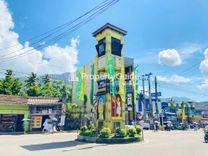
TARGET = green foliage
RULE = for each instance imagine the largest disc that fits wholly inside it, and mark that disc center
(131, 132)
(83, 129)
(33, 91)
(32, 85)
(10, 85)
(73, 117)
(105, 133)
(46, 79)
(48, 90)
(120, 133)
(32, 80)
(138, 129)
(87, 131)
(73, 111)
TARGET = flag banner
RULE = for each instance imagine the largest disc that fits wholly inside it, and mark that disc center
(83, 85)
(80, 84)
(91, 84)
(111, 73)
(122, 83)
(135, 81)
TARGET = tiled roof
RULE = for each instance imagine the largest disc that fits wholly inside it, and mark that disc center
(110, 26)
(10, 99)
(44, 101)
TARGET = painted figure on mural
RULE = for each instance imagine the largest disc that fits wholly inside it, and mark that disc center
(116, 106)
(101, 108)
(119, 107)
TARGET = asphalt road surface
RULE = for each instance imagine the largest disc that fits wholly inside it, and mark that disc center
(174, 143)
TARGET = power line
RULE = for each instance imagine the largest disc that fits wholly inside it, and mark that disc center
(65, 33)
(58, 27)
(98, 8)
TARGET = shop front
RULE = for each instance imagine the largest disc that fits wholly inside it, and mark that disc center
(11, 117)
(42, 110)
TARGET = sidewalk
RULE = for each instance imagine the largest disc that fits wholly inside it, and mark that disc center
(36, 132)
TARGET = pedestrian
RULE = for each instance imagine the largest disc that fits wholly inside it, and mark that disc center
(45, 126)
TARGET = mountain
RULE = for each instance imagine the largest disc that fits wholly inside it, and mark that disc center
(177, 99)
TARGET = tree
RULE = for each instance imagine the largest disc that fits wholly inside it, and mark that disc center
(65, 91)
(10, 85)
(1, 87)
(49, 90)
(47, 79)
(32, 85)
(73, 117)
(32, 80)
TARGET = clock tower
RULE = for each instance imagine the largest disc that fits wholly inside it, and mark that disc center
(110, 95)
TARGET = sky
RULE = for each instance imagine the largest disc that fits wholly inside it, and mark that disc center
(167, 38)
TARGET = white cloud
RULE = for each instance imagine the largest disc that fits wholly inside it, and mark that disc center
(204, 63)
(189, 48)
(52, 59)
(174, 79)
(169, 57)
(203, 85)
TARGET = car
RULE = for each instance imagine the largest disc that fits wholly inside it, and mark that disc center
(146, 125)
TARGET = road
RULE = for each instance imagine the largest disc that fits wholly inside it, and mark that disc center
(174, 143)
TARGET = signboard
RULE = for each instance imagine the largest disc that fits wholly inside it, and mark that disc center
(8, 123)
(36, 121)
(103, 86)
(154, 94)
(129, 101)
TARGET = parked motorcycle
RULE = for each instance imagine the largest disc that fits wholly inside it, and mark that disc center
(206, 137)
(206, 134)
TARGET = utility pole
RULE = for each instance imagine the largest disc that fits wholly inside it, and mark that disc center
(150, 98)
(143, 99)
(156, 97)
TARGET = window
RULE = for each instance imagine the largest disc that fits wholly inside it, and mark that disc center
(116, 46)
(101, 47)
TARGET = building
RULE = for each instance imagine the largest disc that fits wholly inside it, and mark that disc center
(18, 113)
(178, 112)
(13, 110)
(108, 81)
(45, 108)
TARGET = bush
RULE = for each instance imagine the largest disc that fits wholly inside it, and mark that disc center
(87, 131)
(131, 132)
(91, 127)
(105, 133)
(138, 129)
(120, 133)
(83, 129)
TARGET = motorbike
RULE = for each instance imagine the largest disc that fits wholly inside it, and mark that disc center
(206, 137)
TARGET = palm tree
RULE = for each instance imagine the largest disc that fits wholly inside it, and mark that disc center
(32, 80)
(9, 72)
(47, 79)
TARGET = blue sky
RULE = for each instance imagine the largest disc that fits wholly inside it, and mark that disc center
(153, 27)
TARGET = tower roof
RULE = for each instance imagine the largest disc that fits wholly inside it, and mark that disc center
(110, 26)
